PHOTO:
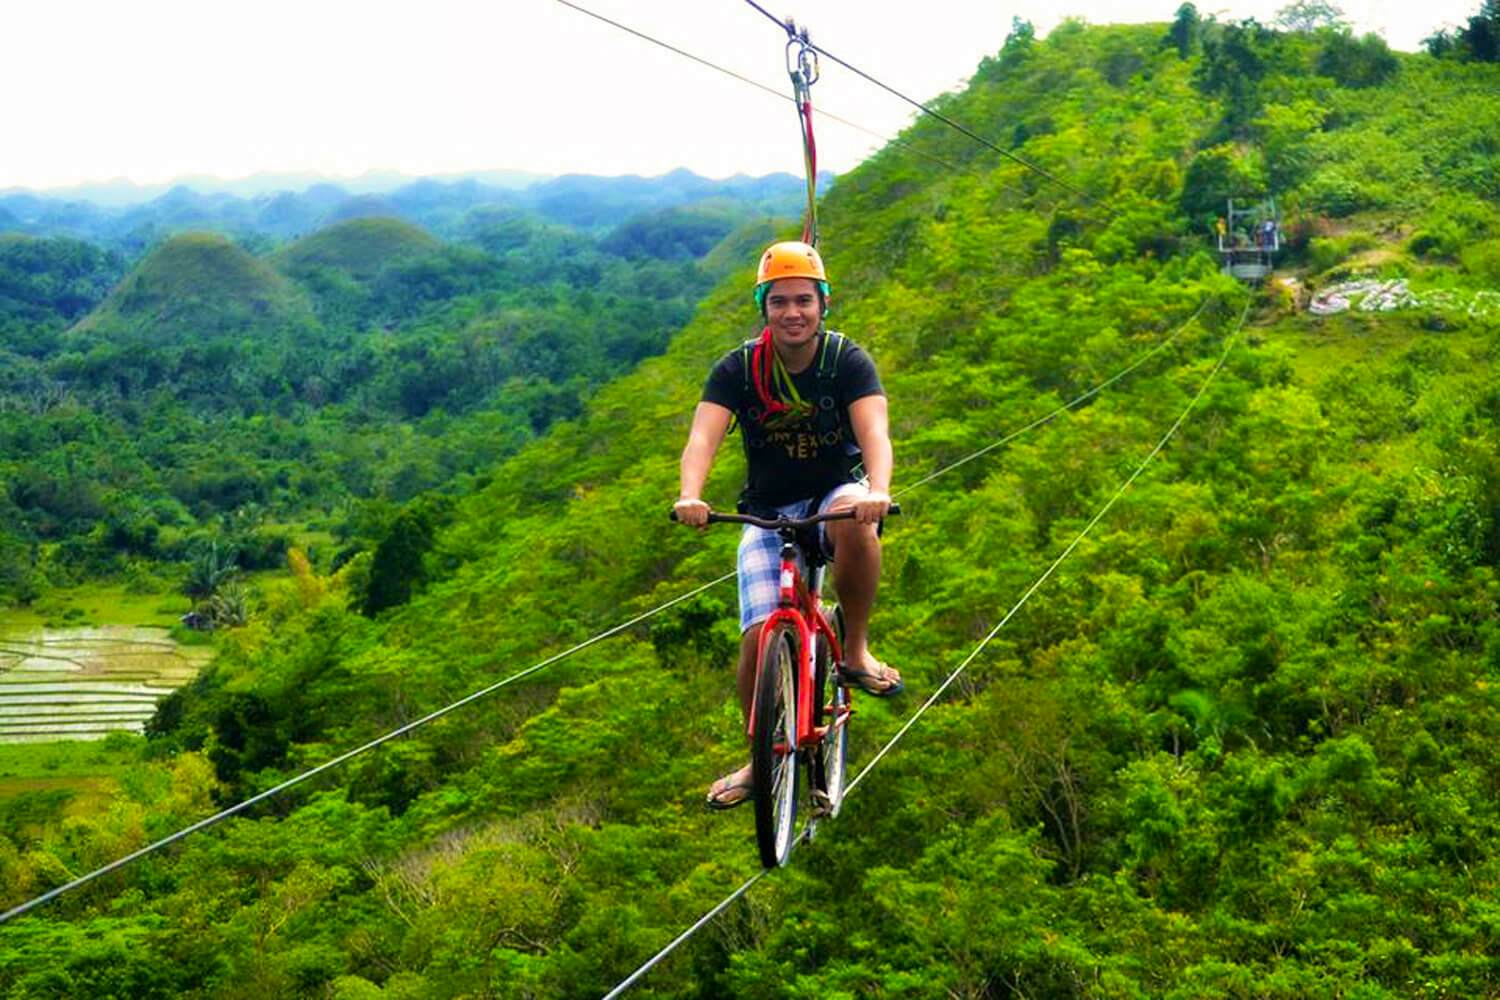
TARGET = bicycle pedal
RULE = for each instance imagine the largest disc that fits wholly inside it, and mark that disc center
(822, 805)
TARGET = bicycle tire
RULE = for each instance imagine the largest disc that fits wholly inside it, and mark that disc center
(773, 748)
(831, 704)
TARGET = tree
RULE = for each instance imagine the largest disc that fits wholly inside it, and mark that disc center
(1022, 36)
(1482, 36)
(1477, 41)
(1440, 43)
(1185, 30)
(1213, 176)
(210, 569)
(399, 567)
(1357, 62)
(1310, 15)
(1236, 58)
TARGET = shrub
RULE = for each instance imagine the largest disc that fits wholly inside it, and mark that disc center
(1335, 193)
(1483, 260)
(1323, 254)
(1440, 241)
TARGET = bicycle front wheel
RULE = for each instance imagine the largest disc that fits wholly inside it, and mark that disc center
(773, 749)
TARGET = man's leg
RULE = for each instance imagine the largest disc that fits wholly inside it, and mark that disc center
(856, 577)
(734, 785)
(745, 677)
(759, 581)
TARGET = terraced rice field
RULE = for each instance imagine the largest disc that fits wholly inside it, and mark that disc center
(84, 683)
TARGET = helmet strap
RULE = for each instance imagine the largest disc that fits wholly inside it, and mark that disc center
(764, 288)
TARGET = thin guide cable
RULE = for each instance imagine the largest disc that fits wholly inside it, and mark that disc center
(745, 887)
(348, 755)
(1077, 539)
(702, 922)
(1070, 404)
(328, 765)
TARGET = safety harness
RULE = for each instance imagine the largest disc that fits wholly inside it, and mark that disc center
(780, 402)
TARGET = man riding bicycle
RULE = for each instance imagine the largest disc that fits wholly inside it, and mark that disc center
(813, 415)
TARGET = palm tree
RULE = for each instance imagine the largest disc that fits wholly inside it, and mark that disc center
(208, 571)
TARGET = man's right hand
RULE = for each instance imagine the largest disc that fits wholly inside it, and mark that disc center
(692, 512)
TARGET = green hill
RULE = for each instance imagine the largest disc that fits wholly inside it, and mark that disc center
(192, 407)
(1244, 743)
(195, 285)
(359, 247)
(51, 282)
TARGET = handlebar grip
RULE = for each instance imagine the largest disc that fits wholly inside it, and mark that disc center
(715, 518)
(672, 516)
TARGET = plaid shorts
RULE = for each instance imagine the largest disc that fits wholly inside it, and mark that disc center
(760, 558)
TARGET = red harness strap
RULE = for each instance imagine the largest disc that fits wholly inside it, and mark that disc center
(760, 375)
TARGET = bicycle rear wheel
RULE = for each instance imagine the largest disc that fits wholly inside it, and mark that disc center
(773, 748)
(831, 704)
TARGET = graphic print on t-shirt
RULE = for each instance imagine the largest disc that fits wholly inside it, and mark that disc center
(798, 453)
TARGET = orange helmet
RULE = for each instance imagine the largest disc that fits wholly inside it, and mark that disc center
(791, 259)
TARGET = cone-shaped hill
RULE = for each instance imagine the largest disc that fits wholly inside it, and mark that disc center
(358, 247)
(1242, 739)
(198, 284)
(366, 206)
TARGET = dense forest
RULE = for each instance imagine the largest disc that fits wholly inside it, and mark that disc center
(1242, 744)
(204, 398)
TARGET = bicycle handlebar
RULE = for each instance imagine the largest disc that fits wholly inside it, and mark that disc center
(772, 524)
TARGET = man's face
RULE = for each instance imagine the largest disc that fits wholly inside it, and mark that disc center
(793, 311)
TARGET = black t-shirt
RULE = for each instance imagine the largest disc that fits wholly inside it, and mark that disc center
(799, 459)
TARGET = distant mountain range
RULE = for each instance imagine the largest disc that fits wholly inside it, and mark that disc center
(281, 207)
(123, 191)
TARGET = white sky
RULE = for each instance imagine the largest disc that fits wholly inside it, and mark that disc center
(155, 89)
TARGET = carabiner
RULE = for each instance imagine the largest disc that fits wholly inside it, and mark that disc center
(803, 67)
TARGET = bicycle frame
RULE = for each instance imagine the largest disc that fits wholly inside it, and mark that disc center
(801, 605)
(781, 725)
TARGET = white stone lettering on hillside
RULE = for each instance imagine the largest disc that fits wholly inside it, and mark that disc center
(1374, 295)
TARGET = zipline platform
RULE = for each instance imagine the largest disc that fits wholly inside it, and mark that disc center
(1249, 239)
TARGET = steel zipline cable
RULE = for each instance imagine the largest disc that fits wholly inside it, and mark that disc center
(1036, 584)
(433, 716)
(1021, 160)
(756, 84)
(536, 667)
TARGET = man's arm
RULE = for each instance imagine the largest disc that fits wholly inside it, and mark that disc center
(710, 424)
(868, 416)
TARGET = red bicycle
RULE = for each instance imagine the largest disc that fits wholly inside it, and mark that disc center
(800, 712)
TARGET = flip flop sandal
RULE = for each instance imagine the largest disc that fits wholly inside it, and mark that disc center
(726, 796)
(864, 679)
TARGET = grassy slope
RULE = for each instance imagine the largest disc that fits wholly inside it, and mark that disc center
(98, 604)
(967, 334)
(1238, 745)
(197, 284)
(360, 247)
